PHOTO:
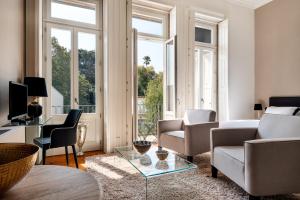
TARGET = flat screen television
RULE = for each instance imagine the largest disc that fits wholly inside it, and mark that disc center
(17, 100)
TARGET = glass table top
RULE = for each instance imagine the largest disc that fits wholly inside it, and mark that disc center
(149, 165)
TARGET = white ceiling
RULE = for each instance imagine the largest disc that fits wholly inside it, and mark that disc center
(253, 4)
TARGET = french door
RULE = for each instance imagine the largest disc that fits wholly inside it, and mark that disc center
(170, 74)
(205, 78)
(74, 77)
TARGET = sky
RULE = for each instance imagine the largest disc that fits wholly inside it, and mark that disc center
(154, 49)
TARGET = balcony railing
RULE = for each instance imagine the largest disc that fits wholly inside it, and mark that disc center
(57, 110)
(147, 124)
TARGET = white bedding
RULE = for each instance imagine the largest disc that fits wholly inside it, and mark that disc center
(251, 123)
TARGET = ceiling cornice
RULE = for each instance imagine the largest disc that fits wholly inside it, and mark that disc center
(252, 4)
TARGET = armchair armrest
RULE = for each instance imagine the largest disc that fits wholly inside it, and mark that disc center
(197, 136)
(63, 137)
(231, 136)
(272, 166)
(169, 125)
(47, 129)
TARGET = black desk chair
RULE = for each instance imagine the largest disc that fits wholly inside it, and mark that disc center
(60, 135)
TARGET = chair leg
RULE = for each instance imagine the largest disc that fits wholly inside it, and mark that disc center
(214, 172)
(67, 155)
(189, 158)
(43, 156)
(75, 155)
(253, 197)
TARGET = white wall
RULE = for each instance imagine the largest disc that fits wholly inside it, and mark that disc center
(241, 54)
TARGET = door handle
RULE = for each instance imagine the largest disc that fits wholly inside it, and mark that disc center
(76, 101)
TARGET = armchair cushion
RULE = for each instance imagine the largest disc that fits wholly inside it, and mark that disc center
(231, 136)
(169, 125)
(197, 116)
(172, 140)
(42, 142)
(230, 160)
(179, 134)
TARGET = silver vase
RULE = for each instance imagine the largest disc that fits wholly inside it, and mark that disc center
(81, 133)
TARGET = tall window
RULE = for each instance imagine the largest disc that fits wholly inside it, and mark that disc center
(73, 35)
(72, 53)
(151, 36)
(205, 75)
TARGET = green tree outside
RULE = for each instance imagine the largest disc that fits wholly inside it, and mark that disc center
(154, 105)
(150, 86)
(61, 74)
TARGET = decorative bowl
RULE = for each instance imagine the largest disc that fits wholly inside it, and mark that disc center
(162, 165)
(162, 154)
(142, 146)
(145, 160)
(16, 160)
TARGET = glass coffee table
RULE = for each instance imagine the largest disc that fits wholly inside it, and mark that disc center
(150, 166)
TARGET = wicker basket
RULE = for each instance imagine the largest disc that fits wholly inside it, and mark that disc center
(16, 160)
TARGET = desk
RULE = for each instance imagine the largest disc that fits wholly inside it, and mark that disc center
(56, 182)
(32, 130)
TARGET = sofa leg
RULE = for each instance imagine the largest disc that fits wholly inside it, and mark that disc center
(253, 197)
(190, 158)
(214, 172)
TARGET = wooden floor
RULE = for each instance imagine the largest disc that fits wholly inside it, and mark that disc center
(61, 159)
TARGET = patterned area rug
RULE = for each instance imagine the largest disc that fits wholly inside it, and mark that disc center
(120, 180)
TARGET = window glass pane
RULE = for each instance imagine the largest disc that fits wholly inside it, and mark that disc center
(153, 49)
(197, 77)
(202, 35)
(86, 62)
(170, 76)
(148, 26)
(74, 12)
(204, 79)
(61, 69)
(150, 87)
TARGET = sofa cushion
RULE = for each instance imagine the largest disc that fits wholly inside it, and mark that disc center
(230, 161)
(278, 126)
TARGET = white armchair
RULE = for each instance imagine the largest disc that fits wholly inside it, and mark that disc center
(263, 161)
(189, 136)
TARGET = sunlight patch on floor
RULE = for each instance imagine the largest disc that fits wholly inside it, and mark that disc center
(119, 163)
(103, 170)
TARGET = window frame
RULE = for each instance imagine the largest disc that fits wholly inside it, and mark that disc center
(47, 14)
(74, 65)
(200, 46)
(208, 26)
(154, 15)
